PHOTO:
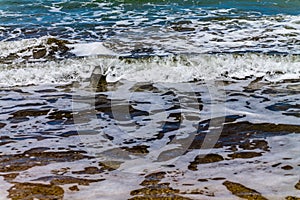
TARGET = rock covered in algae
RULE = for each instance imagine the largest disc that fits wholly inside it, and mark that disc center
(242, 191)
(245, 154)
(37, 157)
(30, 191)
(200, 159)
(153, 190)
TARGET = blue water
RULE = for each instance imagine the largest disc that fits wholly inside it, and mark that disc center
(95, 20)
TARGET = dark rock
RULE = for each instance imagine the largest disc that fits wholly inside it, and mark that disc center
(39, 53)
(2, 125)
(276, 165)
(287, 167)
(218, 178)
(235, 133)
(58, 45)
(29, 112)
(183, 29)
(202, 180)
(182, 22)
(68, 134)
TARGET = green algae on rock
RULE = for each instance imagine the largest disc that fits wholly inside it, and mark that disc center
(139, 149)
(242, 191)
(157, 192)
(9, 177)
(30, 191)
(200, 159)
(154, 190)
(153, 178)
(245, 154)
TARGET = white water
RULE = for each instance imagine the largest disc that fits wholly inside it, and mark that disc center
(181, 68)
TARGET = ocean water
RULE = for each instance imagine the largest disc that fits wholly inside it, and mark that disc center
(149, 99)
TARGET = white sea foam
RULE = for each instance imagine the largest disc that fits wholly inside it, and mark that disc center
(278, 33)
(7, 48)
(154, 69)
(90, 49)
(172, 68)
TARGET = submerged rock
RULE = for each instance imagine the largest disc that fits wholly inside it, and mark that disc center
(37, 157)
(110, 165)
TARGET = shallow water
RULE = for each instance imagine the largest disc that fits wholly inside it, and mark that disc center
(149, 100)
(182, 140)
